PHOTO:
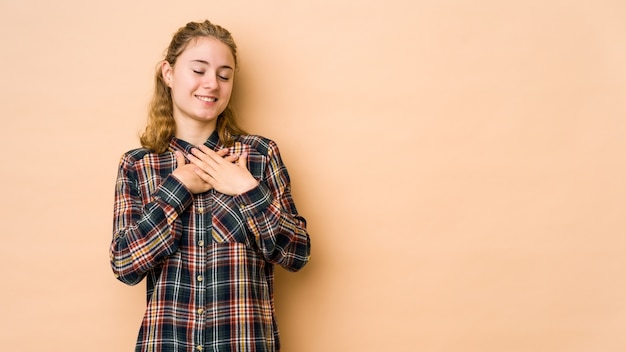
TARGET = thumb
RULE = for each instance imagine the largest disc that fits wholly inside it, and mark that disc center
(242, 160)
(180, 159)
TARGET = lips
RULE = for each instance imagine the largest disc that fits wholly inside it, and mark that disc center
(206, 98)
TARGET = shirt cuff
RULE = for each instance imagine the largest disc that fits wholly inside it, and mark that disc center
(255, 200)
(173, 193)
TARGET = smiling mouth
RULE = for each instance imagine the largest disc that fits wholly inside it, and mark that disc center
(207, 99)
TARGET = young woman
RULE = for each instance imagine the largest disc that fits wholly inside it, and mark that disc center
(204, 211)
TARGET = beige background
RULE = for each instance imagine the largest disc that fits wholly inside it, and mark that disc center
(460, 163)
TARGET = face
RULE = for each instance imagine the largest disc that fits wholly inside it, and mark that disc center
(201, 81)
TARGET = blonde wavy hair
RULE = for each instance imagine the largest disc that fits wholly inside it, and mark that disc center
(161, 127)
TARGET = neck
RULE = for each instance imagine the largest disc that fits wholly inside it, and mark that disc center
(194, 133)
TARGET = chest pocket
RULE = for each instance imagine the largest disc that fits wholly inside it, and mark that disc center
(255, 162)
(228, 225)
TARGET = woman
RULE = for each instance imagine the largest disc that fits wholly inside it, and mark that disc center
(203, 211)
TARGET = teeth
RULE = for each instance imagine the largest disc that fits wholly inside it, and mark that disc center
(207, 99)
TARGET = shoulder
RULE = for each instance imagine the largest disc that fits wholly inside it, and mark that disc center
(141, 157)
(261, 144)
(134, 155)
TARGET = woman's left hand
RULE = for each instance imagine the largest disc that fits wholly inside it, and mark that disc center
(221, 173)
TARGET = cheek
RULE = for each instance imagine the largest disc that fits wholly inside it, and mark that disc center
(182, 87)
(180, 96)
(227, 90)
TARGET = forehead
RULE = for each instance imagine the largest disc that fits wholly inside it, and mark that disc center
(210, 50)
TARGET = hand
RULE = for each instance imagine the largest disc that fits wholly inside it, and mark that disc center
(220, 172)
(187, 175)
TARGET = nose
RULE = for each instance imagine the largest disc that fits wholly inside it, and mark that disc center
(209, 81)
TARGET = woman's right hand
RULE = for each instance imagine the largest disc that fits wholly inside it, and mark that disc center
(186, 173)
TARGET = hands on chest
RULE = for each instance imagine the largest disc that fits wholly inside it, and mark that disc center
(208, 169)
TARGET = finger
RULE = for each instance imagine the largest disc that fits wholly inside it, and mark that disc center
(206, 154)
(203, 158)
(198, 153)
(232, 158)
(204, 176)
(206, 150)
(242, 160)
(180, 158)
(223, 152)
(201, 164)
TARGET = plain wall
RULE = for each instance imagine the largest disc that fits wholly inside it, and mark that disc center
(460, 164)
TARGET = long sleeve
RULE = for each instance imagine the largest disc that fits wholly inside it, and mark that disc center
(143, 233)
(271, 215)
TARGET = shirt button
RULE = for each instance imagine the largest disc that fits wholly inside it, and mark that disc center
(199, 348)
(201, 243)
(200, 277)
(200, 310)
(200, 211)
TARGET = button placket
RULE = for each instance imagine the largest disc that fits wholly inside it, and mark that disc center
(202, 217)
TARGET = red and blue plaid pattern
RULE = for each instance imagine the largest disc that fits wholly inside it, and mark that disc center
(208, 258)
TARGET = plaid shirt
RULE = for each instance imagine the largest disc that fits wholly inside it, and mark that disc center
(208, 258)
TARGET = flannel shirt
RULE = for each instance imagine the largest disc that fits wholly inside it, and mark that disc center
(208, 258)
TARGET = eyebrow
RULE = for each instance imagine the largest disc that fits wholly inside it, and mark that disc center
(207, 63)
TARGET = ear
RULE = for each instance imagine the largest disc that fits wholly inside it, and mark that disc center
(166, 73)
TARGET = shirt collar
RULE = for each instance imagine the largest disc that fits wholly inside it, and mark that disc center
(178, 144)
